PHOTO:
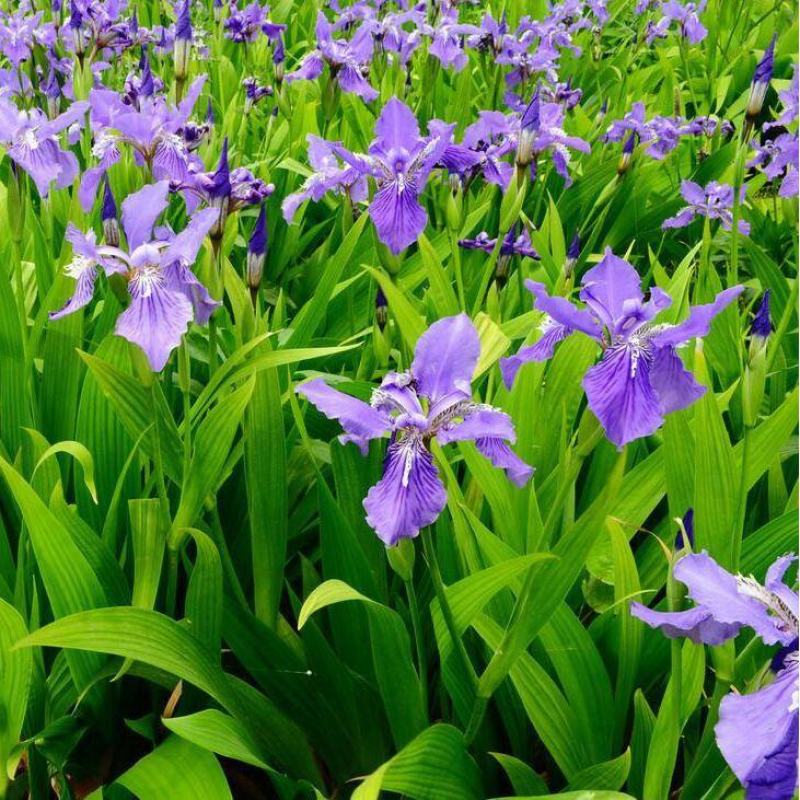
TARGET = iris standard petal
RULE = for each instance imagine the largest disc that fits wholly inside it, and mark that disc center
(140, 212)
(562, 311)
(608, 286)
(445, 358)
(698, 323)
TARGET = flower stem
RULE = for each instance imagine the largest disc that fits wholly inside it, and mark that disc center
(444, 605)
(419, 641)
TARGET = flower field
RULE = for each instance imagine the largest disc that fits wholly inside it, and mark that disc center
(398, 400)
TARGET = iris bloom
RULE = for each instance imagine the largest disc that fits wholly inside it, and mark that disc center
(778, 159)
(30, 139)
(432, 401)
(348, 60)
(714, 201)
(757, 733)
(165, 294)
(152, 130)
(400, 161)
(640, 377)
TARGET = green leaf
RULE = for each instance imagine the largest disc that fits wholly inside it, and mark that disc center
(397, 679)
(203, 610)
(150, 637)
(81, 454)
(179, 770)
(217, 732)
(523, 779)
(608, 775)
(441, 290)
(435, 766)
(148, 537)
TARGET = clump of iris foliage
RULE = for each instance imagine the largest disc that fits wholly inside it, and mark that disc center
(398, 399)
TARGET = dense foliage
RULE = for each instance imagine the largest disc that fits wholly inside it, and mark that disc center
(398, 399)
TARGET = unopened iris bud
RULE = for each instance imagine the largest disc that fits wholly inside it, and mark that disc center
(454, 206)
(761, 327)
(52, 91)
(755, 372)
(183, 41)
(603, 111)
(218, 6)
(685, 538)
(279, 60)
(75, 25)
(220, 192)
(529, 125)
(109, 216)
(381, 309)
(760, 84)
(257, 251)
(627, 154)
(573, 253)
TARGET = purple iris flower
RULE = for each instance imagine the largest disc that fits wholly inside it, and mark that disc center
(31, 142)
(348, 60)
(165, 294)
(447, 39)
(757, 733)
(224, 189)
(247, 24)
(790, 100)
(329, 176)
(640, 377)
(151, 129)
(254, 92)
(714, 201)
(432, 401)
(686, 17)
(778, 159)
(400, 161)
(17, 32)
(493, 34)
(662, 134)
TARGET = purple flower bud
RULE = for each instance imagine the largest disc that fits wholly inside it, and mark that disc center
(761, 78)
(183, 41)
(109, 217)
(627, 153)
(210, 113)
(219, 191)
(685, 537)
(257, 251)
(381, 309)
(761, 327)
(529, 124)
(574, 249)
(279, 59)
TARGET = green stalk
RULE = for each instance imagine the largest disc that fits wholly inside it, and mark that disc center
(439, 588)
(419, 641)
(738, 177)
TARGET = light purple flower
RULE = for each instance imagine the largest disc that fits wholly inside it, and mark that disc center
(640, 377)
(410, 495)
(447, 39)
(348, 60)
(790, 100)
(17, 32)
(329, 176)
(400, 160)
(758, 732)
(32, 143)
(686, 17)
(151, 129)
(714, 201)
(513, 245)
(165, 294)
(248, 23)
(778, 159)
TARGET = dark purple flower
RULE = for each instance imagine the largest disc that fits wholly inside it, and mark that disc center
(247, 24)
(512, 245)
(715, 201)
(31, 142)
(348, 60)
(492, 35)
(640, 377)
(757, 733)
(165, 294)
(410, 495)
(254, 93)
